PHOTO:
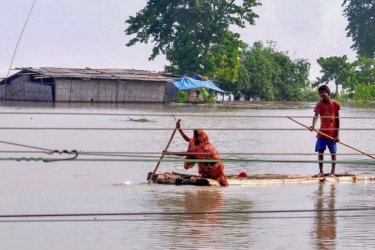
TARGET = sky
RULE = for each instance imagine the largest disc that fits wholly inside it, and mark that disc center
(90, 33)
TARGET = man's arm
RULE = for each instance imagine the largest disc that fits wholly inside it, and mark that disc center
(337, 117)
(315, 118)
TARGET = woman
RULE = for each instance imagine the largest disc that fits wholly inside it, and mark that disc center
(200, 148)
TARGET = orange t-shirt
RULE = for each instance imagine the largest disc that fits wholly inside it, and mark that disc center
(327, 112)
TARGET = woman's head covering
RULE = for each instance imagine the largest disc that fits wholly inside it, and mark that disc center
(200, 136)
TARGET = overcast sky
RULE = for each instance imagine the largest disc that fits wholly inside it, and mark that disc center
(90, 33)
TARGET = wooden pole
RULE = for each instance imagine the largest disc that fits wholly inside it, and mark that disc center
(333, 139)
(162, 154)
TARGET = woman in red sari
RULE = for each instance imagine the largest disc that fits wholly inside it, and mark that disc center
(201, 148)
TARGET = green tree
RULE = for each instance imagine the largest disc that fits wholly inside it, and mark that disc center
(192, 33)
(357, 78)
(365, 69)
(362, 87)
(336, 69)
(223, 60)
(361, 25)
(268, 74)
(257, 72)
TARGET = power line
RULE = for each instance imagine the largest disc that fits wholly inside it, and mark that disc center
(3, 216)
(174, 219)
(152, 154)
(19, 39)
(174, 160)
(169, 115)
(168, 129)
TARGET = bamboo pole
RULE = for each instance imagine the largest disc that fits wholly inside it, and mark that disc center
(331, 138)
(162, 154)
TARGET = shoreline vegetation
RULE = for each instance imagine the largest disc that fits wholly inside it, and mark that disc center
(363, 98)
(257, 71)
(242, 104)
(271, 104)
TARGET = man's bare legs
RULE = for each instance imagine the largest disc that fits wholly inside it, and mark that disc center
(333, 157)
(320, 158)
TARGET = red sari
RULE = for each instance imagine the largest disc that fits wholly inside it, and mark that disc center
(201, 148)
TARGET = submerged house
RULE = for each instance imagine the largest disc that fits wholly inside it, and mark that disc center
(88, 85)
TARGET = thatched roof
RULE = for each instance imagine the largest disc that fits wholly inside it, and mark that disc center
(89, 73)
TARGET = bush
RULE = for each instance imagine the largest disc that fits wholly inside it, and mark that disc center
(208, 97)
(181, 96)
(363, 93)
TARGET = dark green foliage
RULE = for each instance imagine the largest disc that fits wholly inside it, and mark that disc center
(361, 25)
(357, 78)
(336, 69)
(193, 34)
(181, 96)
(207, 95)
(363, 85)
(268, 74)
(364, 93)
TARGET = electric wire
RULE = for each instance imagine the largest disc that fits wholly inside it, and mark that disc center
(335, 210)
(169, 129)
(176, 160)
(315, 216)
(147, 158)
(189, 218)
(169, 115)
(152, 154)
(19, 40)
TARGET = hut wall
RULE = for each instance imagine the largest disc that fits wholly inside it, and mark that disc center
(2, 92)
(171, 93)
(77, 90)
(21, 89)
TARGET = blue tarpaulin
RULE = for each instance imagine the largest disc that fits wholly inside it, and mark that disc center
(190, 83)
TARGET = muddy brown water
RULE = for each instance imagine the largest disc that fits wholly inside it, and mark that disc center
(180, 217)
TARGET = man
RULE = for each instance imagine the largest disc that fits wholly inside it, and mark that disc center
(201, 148)
(328, 110)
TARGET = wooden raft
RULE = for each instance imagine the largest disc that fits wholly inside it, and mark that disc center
(253, 180)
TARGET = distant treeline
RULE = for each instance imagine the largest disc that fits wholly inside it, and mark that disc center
(196, 38)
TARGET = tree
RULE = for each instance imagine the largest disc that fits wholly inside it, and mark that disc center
(336, 69)
(268, 74)
(191, 32)
(223, 59)
(361, 25)
(362, 87)
(365, 69)
(357, 78)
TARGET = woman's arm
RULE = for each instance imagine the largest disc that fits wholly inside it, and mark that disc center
(178, 126)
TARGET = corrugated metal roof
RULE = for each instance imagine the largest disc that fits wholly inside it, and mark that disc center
(105, 74)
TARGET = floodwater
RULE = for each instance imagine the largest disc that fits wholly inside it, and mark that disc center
(119, 210)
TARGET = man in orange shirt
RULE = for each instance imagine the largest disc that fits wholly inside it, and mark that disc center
(328, 110)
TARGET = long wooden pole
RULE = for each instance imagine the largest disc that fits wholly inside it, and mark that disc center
(330, 137)
(162, 154)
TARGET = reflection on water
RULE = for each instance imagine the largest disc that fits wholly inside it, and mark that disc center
(204, 200)
(325, 222)
(202, 223)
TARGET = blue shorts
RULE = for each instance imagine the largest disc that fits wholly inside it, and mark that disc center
(323, 143)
